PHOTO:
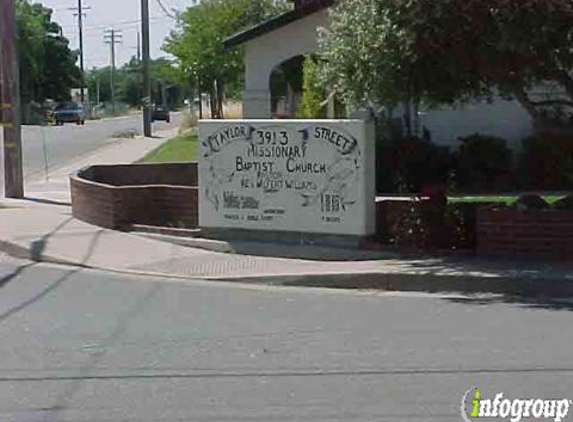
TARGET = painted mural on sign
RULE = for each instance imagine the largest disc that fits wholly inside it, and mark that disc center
(297, 175)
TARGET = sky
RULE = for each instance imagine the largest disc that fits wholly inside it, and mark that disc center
(121, 15)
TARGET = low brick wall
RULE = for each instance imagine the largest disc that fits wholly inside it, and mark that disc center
(173, 174)
(150, 194)
(534, 233)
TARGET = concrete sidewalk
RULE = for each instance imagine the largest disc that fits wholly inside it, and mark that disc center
(42, 229)
(56, 187)
(48, 233)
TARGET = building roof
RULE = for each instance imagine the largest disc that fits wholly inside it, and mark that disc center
(307, 8)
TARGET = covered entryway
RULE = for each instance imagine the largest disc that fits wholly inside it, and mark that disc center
(286, 85)
(272, 43)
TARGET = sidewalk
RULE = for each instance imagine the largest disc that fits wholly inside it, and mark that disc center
(42, 229)
(48, 233)
(57, 187)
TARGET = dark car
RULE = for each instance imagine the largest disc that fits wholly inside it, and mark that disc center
(160, 113)
(70, 112)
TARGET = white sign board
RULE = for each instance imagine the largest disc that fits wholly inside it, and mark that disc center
(313, 176)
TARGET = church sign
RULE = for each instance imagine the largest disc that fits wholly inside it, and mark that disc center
(313, 176)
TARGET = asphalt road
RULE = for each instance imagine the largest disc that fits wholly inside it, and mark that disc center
(60, 145)
(79, 345)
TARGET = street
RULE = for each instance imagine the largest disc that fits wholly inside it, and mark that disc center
(81, 345)
(64, 144)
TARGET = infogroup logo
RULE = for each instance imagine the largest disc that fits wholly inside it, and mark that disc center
(474, 406)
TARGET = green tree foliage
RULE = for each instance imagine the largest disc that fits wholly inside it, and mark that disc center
(313, 95)
(382, 52)
(128, 83)
(197, 43)
(47, 65)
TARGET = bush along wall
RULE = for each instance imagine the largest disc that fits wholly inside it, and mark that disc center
(546, 164)
(428, 222)
(408, 165)
(482, 165)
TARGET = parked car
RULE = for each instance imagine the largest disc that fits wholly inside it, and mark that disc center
(160, 113)
(70, 112)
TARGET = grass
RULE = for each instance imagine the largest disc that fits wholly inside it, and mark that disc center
(181, 149)
(507, 199)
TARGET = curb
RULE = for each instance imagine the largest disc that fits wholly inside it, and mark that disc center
(192, 239)
(20, 252)
(392, 282)
(426, 283)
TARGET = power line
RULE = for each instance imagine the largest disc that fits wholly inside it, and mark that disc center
(118, 24)
(167, 13)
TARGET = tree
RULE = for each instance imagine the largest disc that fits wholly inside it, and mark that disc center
(128, 82)
(313, 95)
(383, 52)
(197, 43)
(47, 65)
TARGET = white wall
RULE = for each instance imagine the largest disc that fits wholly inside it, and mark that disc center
(502, 118)
(264, 53)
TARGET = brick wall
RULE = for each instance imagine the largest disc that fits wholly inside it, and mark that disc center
(112, 205)
(536, 233)
(175, 174)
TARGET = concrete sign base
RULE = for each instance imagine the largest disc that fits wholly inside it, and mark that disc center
(303, 176)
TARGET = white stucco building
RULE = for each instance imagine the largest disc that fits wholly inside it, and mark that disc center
(294, 33)
(273, 43)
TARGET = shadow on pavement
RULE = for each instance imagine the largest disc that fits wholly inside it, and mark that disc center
(300, 251)
(529, 267)
(547, 303)
(38, 246)
(48, 201)
(19, 270)
(37, 249)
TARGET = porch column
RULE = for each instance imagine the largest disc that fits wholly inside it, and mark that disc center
(257, 94)
(257, 103)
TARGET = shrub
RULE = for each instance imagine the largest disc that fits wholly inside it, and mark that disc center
(421, 163)
(386, 165)
(531, 202)
(426, 225)
(313, 93)
(547, 164)
(565, 203)
(483, 161)
(408, 165)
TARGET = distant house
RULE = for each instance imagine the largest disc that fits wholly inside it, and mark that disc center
(279, 43)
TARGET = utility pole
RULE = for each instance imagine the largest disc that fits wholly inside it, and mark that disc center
(97, 92)
(112, 37)
(80, 9)
(10, 102)
(146, 100)
(138, 47)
